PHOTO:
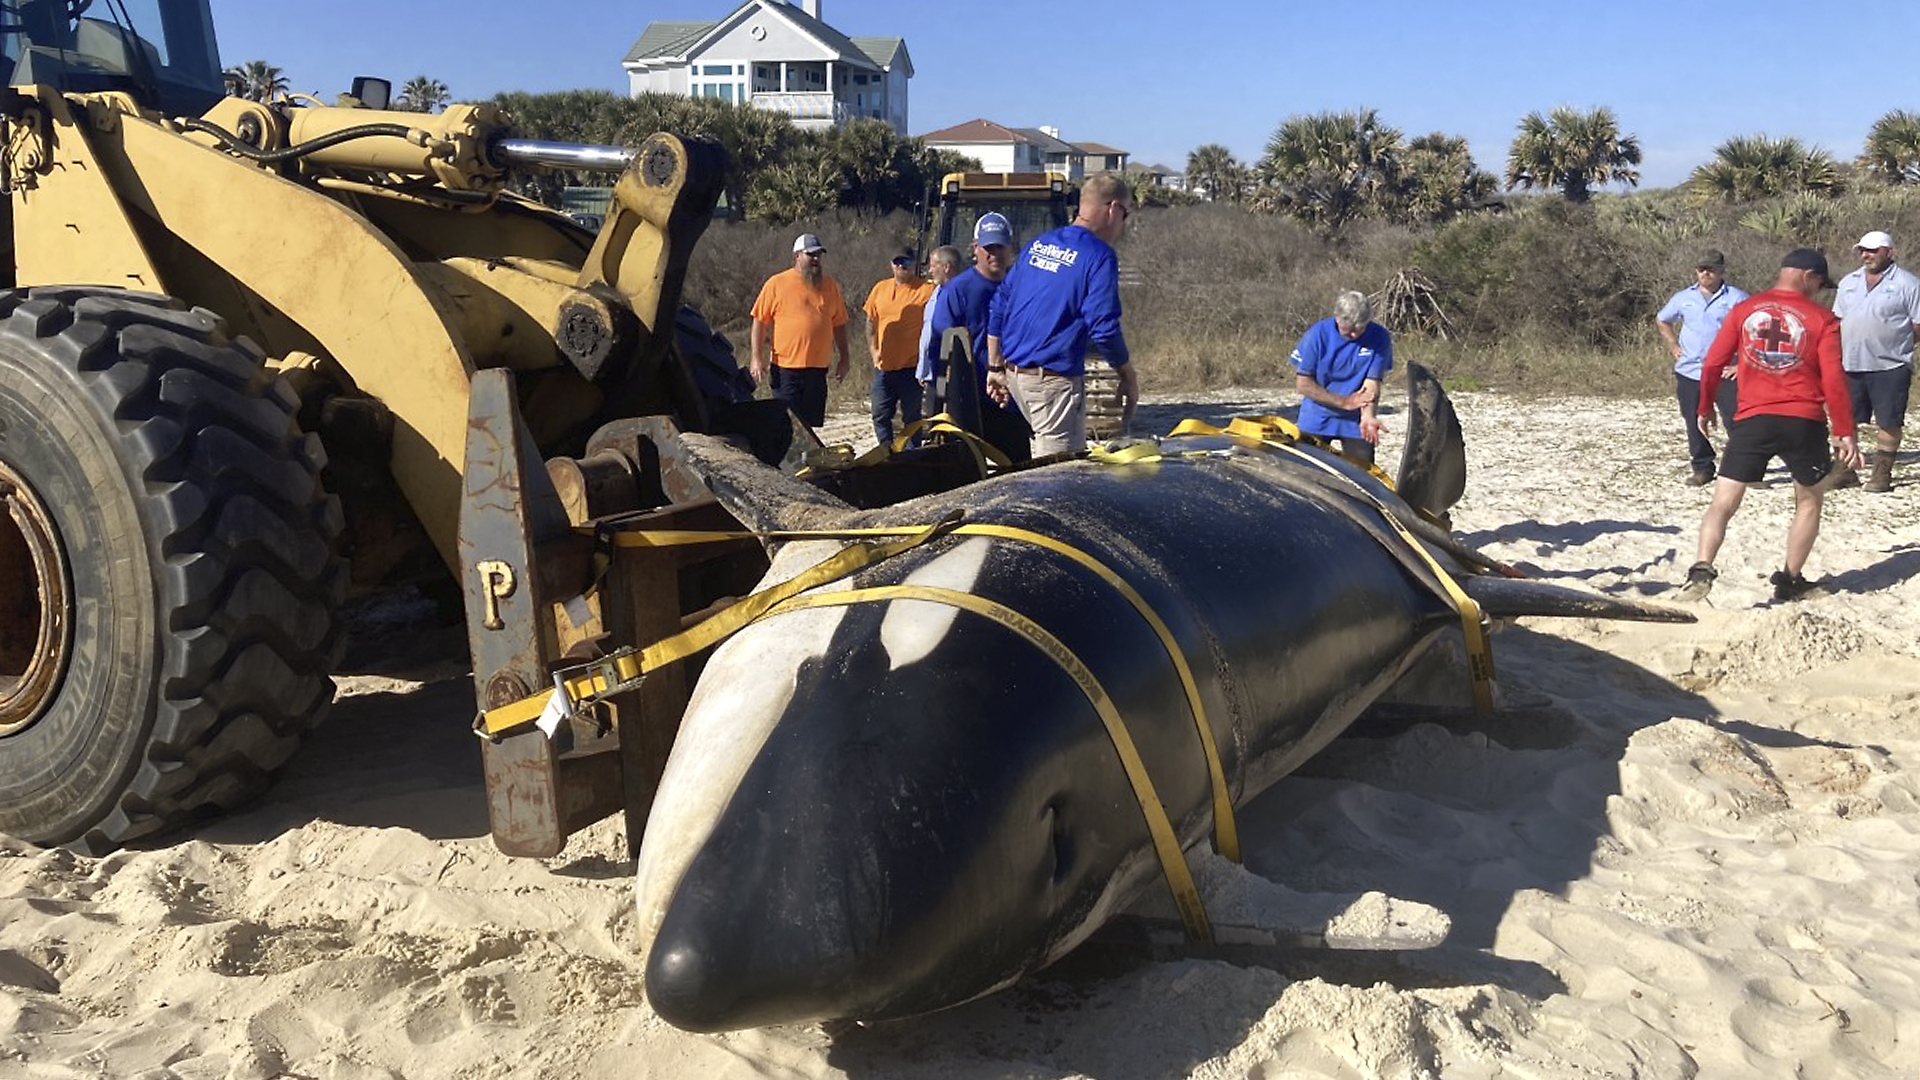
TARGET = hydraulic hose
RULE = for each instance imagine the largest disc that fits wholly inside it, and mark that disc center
(232, 142)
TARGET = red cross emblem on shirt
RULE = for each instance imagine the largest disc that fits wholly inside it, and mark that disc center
(1773, 338)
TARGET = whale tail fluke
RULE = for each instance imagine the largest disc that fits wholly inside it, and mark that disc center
(1433, 466)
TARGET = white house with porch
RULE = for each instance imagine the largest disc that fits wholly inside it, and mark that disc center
(776, 55)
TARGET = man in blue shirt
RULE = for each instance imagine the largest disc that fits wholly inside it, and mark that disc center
(1699, 309)
(1062, 292)
(1340, 362)
(967, 302)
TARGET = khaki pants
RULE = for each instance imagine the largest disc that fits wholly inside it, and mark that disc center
(1055, 406)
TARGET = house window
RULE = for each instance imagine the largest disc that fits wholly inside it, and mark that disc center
(726, 91)
(761, 70)
(717, 69)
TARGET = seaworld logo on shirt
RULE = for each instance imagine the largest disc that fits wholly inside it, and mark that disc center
(1051, 257)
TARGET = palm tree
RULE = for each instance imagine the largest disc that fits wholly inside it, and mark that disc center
(1331, 168)
(1748, 168)
(1210, 170)
(421, 94)
(1573, 151)
(257, 80)
(793, 191)
(1893, 148)
(1438, 179)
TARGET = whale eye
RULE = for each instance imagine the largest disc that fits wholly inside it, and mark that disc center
(1061, 840)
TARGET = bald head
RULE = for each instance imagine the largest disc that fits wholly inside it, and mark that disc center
(1105, 204)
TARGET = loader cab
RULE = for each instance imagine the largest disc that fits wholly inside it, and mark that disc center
(162, 52)
(1032, 203)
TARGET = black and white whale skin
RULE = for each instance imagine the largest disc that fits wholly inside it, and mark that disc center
(888, 808)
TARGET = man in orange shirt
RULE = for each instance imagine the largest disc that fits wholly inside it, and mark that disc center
(797, 313)
(896, 308)
(1791, 385)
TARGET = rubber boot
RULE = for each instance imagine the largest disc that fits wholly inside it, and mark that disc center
(1882, 479)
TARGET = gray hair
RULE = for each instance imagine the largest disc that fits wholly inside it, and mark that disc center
(947, 255)
(1352, 309)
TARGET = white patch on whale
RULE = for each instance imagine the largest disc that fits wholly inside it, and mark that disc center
(911, 629)
(744, 690)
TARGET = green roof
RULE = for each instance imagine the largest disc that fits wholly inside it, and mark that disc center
(667, 39)
(881, 50)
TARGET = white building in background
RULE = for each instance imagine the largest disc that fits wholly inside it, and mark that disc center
(779, 56)
(1000, 148)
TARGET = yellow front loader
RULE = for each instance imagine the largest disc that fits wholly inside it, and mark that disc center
(254, 354)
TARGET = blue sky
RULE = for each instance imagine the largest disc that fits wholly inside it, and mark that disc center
(1159, 79)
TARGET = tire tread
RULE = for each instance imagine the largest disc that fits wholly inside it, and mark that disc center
(243, 536)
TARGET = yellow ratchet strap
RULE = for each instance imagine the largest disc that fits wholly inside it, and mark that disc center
(944, 424)
(1131, 454)
(1226, 837)
(596, 678)
(1166, 845)
(983, 451)
(1281, 434)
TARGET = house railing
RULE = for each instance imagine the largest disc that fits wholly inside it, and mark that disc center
(803, 106)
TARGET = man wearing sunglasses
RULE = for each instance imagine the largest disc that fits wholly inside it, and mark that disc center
(895, 309)
(1699, 309)
(1063, 292)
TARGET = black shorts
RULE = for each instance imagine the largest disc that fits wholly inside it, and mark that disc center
(1880, 397)
(1795, 440)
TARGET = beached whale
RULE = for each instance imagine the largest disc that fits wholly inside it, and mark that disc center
(883, 802)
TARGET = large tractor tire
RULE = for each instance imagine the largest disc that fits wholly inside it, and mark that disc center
(169, 585)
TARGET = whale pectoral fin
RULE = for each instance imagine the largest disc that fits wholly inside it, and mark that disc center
(762, 498)
(1506, 598)
(1433, 465)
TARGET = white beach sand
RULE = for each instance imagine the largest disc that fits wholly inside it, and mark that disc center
(1676, 851)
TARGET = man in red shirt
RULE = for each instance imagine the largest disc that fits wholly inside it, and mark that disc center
(1788, 348)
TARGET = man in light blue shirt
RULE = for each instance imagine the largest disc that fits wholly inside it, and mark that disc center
(1879, 307)
(1699, 309)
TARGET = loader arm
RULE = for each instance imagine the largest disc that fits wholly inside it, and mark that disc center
(401, 296)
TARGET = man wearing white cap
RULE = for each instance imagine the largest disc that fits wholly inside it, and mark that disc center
(796, 314)
(1878, 306)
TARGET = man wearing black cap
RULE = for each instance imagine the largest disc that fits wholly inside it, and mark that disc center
(896, 307)
(1788, 351)
(1699, 309)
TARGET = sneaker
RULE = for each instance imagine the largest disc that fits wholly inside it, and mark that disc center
(1788, 587)
(1699, 582)
(1700, 478)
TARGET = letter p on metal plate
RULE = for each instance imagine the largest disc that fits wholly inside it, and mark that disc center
(496, 584)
